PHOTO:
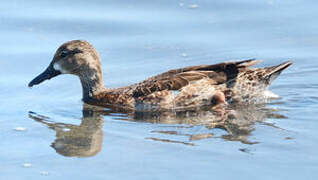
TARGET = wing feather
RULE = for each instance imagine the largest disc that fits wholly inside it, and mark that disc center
(177, 78)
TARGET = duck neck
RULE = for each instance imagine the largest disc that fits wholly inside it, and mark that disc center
(92, 84)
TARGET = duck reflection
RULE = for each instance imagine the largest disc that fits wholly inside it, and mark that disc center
(191, 125)
(82, 140)
(237, 121)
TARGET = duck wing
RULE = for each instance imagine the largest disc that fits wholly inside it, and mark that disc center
(177, 78)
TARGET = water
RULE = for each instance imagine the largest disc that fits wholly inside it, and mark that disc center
(46, 134)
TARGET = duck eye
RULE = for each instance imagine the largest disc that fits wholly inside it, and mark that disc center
(63, 54)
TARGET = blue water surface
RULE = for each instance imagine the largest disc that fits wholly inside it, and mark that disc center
(45, 134)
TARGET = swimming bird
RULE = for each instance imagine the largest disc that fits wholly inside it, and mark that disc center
(194, 86)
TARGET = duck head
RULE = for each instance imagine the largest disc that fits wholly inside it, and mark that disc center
(77, 57)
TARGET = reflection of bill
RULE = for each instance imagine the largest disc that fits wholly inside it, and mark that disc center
(182, 127)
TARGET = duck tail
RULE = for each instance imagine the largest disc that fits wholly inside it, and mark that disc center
(273, 72)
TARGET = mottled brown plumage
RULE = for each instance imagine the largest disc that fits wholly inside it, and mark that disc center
(187, 87)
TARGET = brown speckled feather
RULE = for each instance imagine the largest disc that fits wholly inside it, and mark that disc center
(193, 86)
(178, 78)
(189, 87)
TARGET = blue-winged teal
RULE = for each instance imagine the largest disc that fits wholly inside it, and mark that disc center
(176, 89)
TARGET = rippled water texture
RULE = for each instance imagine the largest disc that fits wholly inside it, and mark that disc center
(47, 132)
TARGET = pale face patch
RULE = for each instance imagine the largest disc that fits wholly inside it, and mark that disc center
(58, 67)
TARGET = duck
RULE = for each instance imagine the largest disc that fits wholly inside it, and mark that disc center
(194, 86)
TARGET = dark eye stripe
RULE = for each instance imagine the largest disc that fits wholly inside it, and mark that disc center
(63, 54)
